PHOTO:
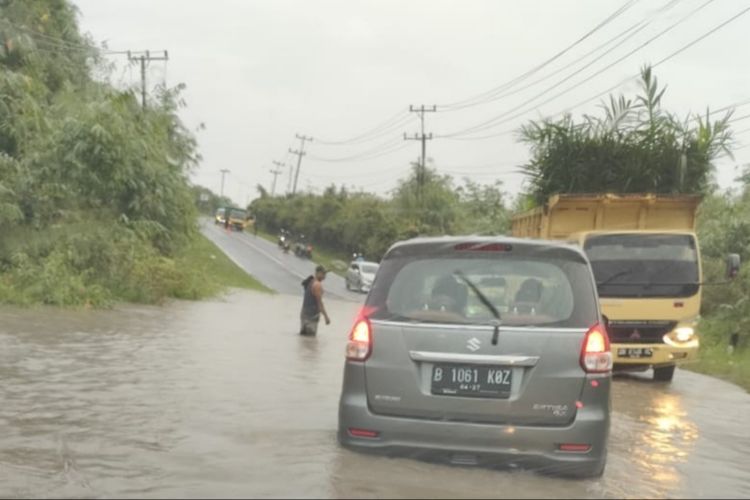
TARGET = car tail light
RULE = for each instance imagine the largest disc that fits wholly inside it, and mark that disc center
(574, 447)
(595, 354)
(359, 346)
(363, 433)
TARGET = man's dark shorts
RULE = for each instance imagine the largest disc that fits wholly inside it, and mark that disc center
(309, 324)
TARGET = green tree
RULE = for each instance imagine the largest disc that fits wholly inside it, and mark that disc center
(94, 198)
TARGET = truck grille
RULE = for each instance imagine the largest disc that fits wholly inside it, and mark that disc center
(639, 332)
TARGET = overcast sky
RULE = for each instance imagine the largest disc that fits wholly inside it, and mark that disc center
(258, 72)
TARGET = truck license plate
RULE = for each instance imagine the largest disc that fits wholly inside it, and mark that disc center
(635, 352)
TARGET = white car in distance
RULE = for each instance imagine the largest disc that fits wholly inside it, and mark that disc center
(360, 275)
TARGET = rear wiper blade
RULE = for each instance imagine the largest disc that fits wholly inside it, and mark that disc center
(485, 302)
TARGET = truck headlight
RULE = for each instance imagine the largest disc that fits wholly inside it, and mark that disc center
(683, 334)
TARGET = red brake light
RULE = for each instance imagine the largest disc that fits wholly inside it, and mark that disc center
(595, 354)
(363, 433)
(359, 346)
(574, 447)
(486, 247)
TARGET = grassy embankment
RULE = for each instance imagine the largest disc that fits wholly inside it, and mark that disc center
(716, 359)
(209, 261)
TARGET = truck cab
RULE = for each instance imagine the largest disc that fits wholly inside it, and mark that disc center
(649, 285)
(646, 262)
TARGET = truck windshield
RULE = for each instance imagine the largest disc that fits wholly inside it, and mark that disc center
(644, 265)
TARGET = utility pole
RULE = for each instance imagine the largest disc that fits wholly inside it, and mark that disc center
(280, 166)
(143, 58)
(275, 173)
(422, 165)
(300, 153)
(224, 171)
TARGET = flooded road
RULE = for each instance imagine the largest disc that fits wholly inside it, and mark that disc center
(223, 399)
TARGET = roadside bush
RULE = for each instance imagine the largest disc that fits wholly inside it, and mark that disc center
(95, 204)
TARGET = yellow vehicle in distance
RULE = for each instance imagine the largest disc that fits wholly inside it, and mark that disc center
(646, 260)
(239, 219)
(219, 217)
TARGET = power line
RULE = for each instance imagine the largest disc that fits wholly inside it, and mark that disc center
(619, 84)
(628, 34)
(61, 43)
(623, 37)
(740, 118)
(502, 117)
(375, 152)
(383, 128)
(730, 106)
(473, 101)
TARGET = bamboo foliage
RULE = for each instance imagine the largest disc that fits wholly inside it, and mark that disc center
(635, 145)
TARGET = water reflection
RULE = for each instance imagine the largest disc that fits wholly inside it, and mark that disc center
(661, 435)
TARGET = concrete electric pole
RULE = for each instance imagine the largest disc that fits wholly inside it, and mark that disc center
(224, 172)
(280, 166)
(300, 153)
(143, 58)
(421, 137)
(275, 173)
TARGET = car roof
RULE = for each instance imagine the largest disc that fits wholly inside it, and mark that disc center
(365, 262)
(445, 244)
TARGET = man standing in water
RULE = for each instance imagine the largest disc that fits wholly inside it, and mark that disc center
(312, 303)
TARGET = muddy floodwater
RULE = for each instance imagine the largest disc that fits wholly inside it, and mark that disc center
(223, 399)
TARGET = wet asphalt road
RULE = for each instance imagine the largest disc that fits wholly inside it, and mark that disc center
(279, 271)
(224, 399)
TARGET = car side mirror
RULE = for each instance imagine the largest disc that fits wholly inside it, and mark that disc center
(733, 265)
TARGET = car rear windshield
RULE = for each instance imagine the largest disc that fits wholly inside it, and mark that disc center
(369, 268)
(525, 290)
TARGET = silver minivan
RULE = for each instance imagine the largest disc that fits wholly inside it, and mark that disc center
(481, 351)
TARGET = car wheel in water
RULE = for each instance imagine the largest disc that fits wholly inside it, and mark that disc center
(664, 374)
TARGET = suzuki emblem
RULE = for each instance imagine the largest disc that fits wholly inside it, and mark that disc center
(473, 344)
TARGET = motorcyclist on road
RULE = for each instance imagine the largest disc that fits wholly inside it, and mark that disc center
(312, 303)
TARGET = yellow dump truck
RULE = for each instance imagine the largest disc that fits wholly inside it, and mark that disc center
(239, 220)
(646, 261)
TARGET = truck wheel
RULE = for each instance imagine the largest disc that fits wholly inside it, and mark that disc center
(664, 374)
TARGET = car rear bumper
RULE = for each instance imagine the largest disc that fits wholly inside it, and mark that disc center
(462, 443)
(663, 354)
